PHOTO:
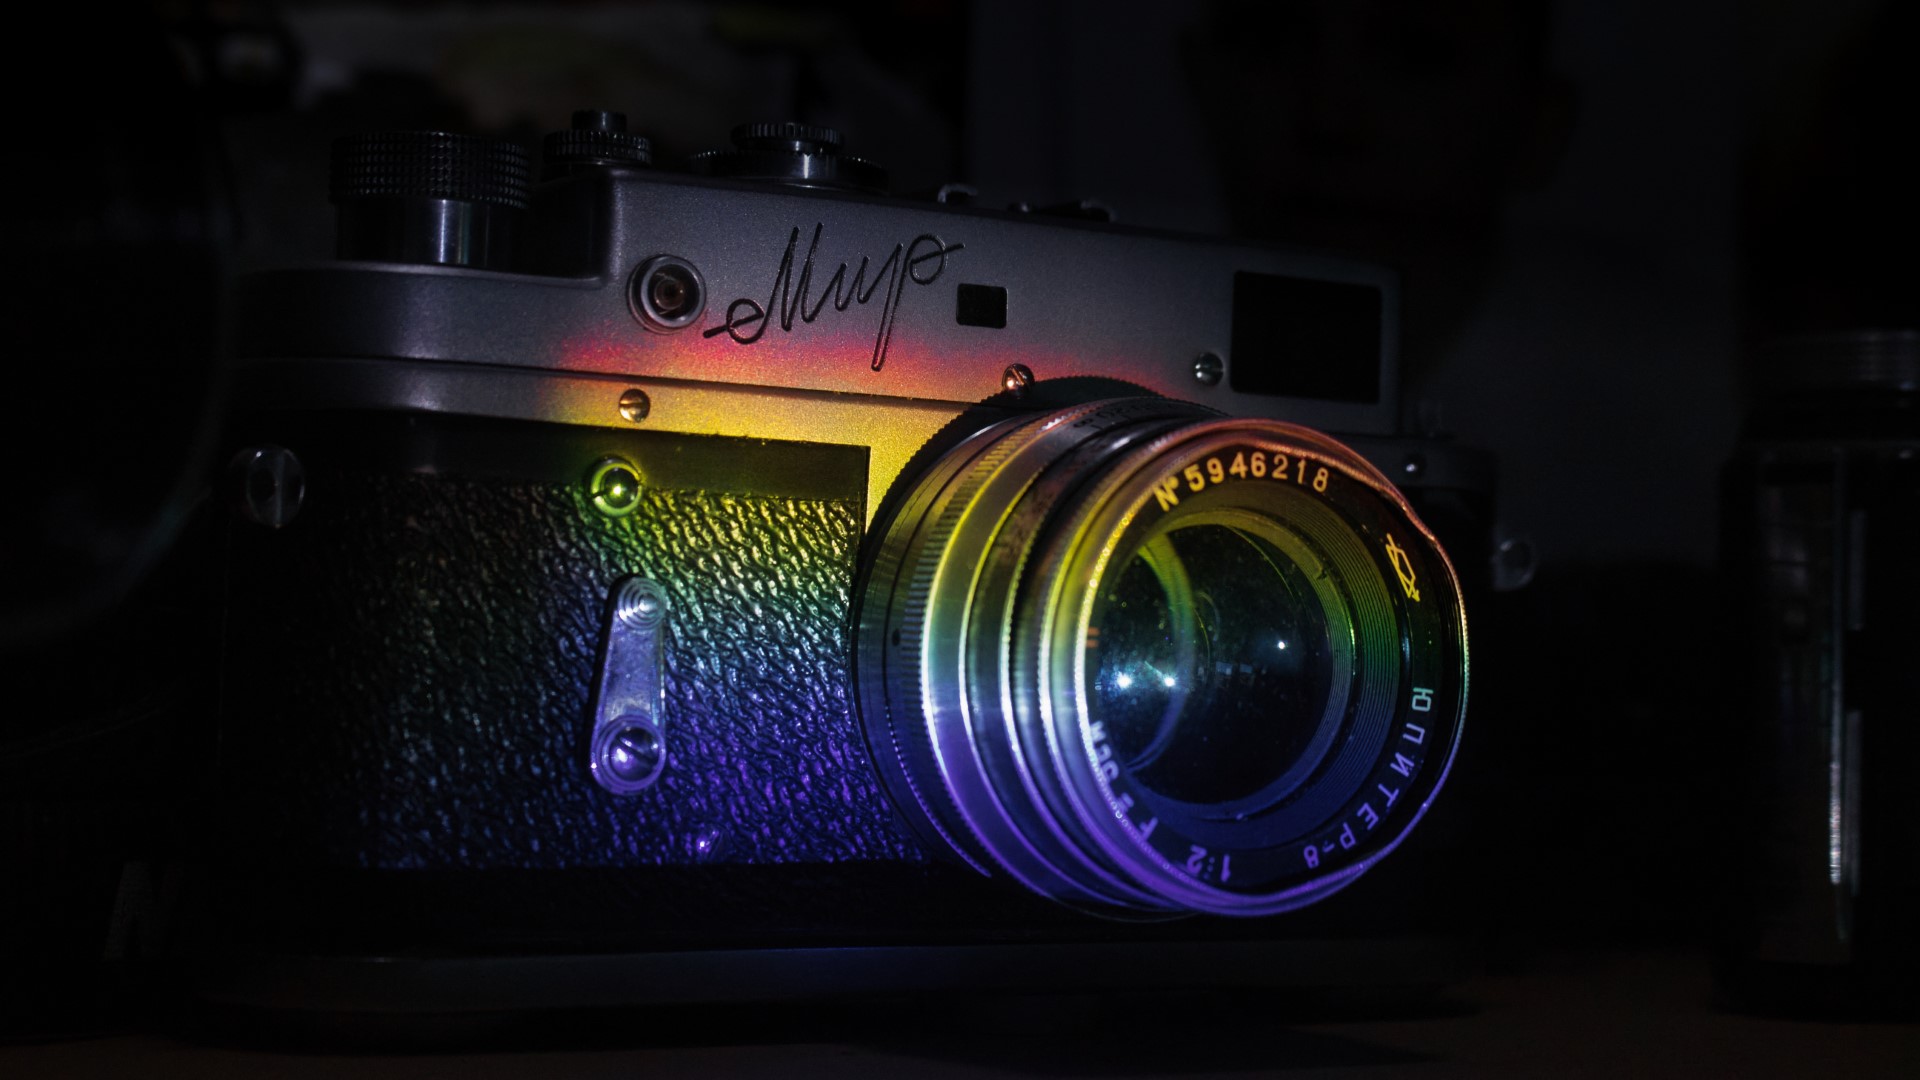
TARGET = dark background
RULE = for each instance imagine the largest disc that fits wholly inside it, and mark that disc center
(1599, 207)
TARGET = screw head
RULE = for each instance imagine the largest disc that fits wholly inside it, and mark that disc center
(633, 754)
(639, 603)
(629, 755)
(1208, 369)
(1415, 466)
(1016, 379)
(634, 405)
(709, 843)
(614, 487)
(272, 485)
(1514, 561)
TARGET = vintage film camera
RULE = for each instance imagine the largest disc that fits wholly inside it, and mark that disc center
(736, 581)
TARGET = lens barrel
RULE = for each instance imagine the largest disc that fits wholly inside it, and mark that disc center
(1145, 659)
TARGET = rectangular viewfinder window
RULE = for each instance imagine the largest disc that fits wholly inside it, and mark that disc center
(1297, 337)
(981, 305)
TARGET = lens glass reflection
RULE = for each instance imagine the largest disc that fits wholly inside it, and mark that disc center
(1212, 662)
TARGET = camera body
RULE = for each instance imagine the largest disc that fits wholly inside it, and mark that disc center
(543, 600)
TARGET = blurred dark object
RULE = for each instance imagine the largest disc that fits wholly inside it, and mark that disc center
(119, 275)
(1394, 131)
(1822, 525)
(122, 273)
(1832, 223)
(1821, 518)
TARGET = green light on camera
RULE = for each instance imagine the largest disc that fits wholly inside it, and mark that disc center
(613, 487)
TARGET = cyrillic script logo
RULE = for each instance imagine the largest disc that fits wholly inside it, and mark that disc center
(920, 261)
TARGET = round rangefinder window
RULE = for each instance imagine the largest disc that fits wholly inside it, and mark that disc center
(1143, 658)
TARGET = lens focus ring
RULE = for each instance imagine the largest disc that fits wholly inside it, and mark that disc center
(1073, 659)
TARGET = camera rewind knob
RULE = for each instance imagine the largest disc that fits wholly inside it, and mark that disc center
(428, 197)
(800, 155)
(430, 165)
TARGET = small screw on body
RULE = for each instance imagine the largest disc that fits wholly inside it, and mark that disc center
(709, 843)
(1016, 379)
(639, 604)
(634, 405)
(1208, 369)
(272, 484)
(633, 754)
(1514, 561)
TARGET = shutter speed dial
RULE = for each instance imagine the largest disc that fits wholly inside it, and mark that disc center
(801, 155)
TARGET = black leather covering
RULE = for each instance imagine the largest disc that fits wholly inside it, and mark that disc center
(411, 662)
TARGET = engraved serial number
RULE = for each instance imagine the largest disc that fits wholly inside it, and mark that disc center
(1243, 464)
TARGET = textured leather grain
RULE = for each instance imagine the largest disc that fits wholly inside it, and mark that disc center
(411, 663)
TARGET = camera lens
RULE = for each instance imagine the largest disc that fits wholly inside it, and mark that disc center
(1209, 632)
(1143, 658)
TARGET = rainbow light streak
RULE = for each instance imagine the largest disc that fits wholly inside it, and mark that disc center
(892, 429)
(834, 355)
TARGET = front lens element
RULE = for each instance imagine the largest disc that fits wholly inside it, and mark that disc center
(1215, 661)
(1140, 657)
